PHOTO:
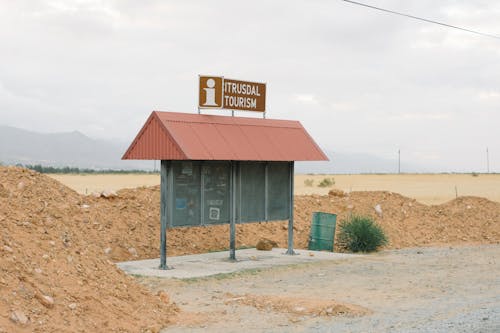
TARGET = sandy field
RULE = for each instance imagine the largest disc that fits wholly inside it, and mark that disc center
(87, 184)
(425, 188)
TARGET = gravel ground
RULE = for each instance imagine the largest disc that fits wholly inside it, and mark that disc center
(412, 290)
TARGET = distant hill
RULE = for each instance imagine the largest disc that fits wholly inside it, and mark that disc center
(63, 149)
(78, 150)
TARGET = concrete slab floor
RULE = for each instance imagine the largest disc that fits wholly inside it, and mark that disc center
(207, 264)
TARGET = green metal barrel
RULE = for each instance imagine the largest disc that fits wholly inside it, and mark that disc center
(322, 231)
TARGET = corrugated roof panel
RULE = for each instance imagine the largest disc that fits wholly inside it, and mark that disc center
(186, 138)
(237, 143)
(153, 143)
(213, 142)
(258, 137)
(181, 136)
(301, 147)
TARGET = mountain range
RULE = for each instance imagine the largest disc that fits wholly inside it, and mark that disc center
(63, 149)
(75, 149)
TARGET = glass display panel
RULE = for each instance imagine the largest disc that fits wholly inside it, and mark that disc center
(215, 178)
(186, 201)
(200, 192)
(278, 189)
(252, 192)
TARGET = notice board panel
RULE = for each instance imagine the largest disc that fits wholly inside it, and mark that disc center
(215, 181)
(186, 194)
(200, 192)
(252, 191)
(278, 190)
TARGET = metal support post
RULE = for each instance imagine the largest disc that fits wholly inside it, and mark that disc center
(232, 220)
(163, 214)
(290, 219)
(266, 192)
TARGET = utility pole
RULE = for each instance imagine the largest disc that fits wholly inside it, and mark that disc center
(487, 160)
(399, 160)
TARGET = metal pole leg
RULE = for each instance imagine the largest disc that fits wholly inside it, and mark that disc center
(163, 214)
(232, 222)
(290, 220)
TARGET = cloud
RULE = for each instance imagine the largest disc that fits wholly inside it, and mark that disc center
(425, 156)
(306, 99)
(423, 116)
(489, 95)
(358, 79)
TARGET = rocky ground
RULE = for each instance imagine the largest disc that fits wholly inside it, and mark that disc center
(58, 248)
(414, 290)
(55, 275)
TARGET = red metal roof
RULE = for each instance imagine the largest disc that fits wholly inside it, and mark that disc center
(184, 136)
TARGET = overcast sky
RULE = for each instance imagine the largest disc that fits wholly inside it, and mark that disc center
(359, 80)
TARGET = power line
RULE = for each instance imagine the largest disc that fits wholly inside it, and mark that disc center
(422, 19)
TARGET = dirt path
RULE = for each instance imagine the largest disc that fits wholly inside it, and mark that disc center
(411, 290)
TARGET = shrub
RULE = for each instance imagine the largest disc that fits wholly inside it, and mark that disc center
(475, 174)
(309, 182)
(327, 182)
(361, 234)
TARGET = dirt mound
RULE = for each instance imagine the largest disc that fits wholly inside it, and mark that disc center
(127, 228)
(135, 214)
(466, 220)
(131, 220)
(54, 276)
(336, 193)
(128, 225)
(265, 244)
(295, 306)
